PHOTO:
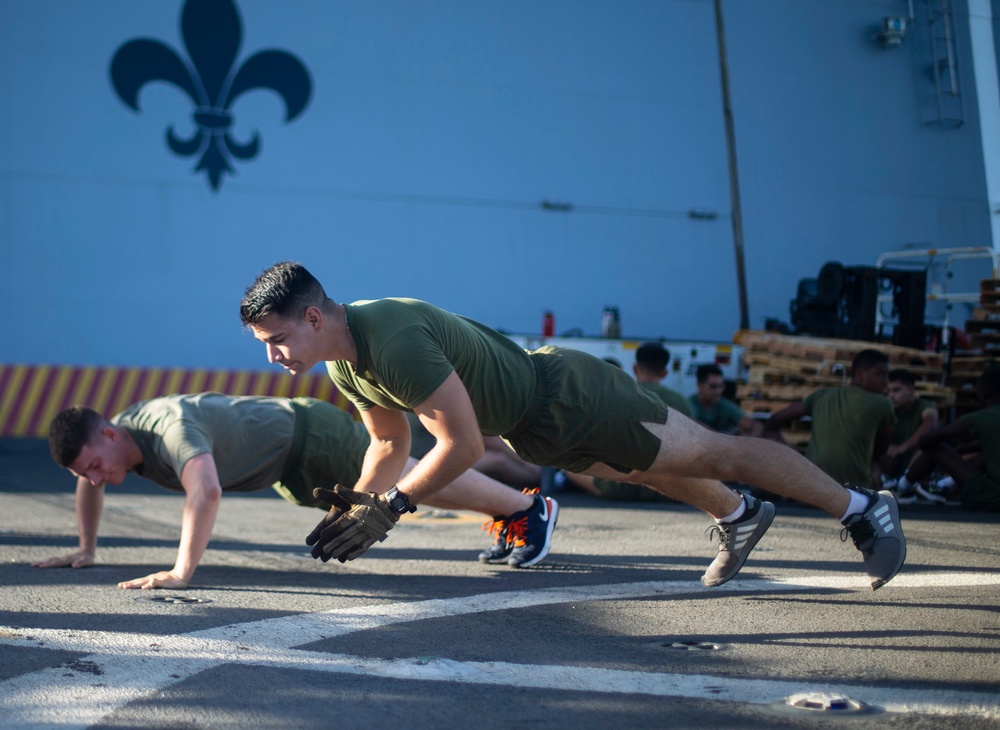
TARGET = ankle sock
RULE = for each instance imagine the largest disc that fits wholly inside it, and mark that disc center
(859, 503)
(946, 483)
(736, 514)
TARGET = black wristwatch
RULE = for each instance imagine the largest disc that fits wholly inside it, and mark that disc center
(399, 502)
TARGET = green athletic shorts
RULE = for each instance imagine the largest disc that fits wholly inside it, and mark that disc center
(981, 492)
(327, 449)
(586, 411)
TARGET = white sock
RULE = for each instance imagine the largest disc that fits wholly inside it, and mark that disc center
(904, 485)
(735, 515)
(859, 503)
(946, 483)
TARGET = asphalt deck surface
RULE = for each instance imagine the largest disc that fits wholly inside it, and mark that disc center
(612, 630)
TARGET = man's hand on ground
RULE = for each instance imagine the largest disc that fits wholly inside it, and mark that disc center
(163, 579)
(79, 559)
(365, 518)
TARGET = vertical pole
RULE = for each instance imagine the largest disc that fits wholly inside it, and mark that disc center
(734, 178)
(984, 63)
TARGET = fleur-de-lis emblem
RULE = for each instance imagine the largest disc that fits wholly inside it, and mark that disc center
(212, 33)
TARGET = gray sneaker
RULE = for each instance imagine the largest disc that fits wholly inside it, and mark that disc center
(737, 539)
(501, 547)
(878, 534)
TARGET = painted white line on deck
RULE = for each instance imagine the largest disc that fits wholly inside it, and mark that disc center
(134, 666)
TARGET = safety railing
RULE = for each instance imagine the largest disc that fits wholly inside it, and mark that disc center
(938, 291)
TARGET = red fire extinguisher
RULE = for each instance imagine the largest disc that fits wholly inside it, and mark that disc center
(548, 324)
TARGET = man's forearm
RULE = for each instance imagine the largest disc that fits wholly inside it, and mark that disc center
(384, 462)
(200, 512)
(89, 504)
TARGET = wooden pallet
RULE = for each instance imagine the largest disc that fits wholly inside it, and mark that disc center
(963, 366)
(989, 292)
(774, 391)
(984, 326)
(984, 312)
(822, 350)
(790, 393)
(756, 406)
(796, 366)
(829, 370)
(988, 342)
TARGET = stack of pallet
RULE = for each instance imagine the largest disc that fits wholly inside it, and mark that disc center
(983, 331)
(784, 369)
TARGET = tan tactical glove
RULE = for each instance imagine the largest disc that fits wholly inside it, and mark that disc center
(356, 521)
(338, 507)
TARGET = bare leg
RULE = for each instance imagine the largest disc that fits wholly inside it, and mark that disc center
(584, 482)
(501, 463)
(478, 493)
(693, 462)
(944, 456)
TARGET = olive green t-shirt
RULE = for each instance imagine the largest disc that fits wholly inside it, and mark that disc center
(671, 397)
(407, 348)
(249, 437)
(845, 422)
(985, 425)
(724, 416)
(909, 418)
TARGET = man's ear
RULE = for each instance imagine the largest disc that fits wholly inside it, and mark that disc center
(314, 317)
(109, 433)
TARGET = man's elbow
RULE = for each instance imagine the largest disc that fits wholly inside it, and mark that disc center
(469, 451)
(212, 494)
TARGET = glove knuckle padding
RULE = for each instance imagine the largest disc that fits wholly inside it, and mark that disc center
(365, 524)
(339, 506)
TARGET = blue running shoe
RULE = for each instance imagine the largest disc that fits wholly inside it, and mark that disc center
(530, 532)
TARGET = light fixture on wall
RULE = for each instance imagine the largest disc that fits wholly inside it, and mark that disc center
(893, 31)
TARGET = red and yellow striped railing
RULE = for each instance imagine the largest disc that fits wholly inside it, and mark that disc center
(31, 395)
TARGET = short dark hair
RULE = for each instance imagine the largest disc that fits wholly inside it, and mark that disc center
(704, 372)
(286, 289)
(867, 359)
(652, 356)
(902, 376)
(70, 431)
(991, 382)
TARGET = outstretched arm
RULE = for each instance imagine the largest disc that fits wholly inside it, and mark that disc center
(787, 415)
(89, 504)
(940, 435)
(751, 426)
(928, 422)
(200, 480)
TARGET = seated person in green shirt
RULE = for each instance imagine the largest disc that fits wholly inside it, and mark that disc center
(915, 416)
(206, 444)
(650, 368)
(709, 408)
(554, 406)
(851, 425)
(977, 479)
